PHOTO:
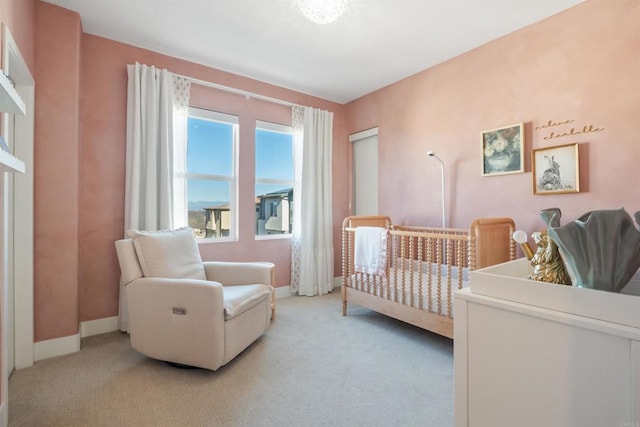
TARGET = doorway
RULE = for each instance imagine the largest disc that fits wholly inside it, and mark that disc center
(365, 172)
(18, 217)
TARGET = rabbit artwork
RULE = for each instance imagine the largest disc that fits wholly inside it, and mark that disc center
(550, 179)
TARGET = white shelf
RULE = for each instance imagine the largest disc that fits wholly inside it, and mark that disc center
(10, 101)
(10, 163)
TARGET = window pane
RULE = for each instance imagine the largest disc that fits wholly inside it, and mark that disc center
(274, 206)
(210, 147)
(274, 162)
(274, 155)
(262, 189)
(209, 207)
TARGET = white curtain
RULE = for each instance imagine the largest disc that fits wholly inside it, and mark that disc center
(312, 239)
(157, 111)
(181, 91)
(157, 108)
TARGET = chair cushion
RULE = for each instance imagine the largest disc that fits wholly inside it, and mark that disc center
(240, 298)
(170, 254)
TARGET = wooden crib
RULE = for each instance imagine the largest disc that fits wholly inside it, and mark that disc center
(424, 267)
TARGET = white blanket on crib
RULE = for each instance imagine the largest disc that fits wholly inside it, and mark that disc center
(370, 253)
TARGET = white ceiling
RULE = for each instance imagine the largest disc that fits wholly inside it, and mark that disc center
(376, 42)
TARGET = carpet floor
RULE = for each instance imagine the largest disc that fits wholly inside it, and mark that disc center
(313, 367)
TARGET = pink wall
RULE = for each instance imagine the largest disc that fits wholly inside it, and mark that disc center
(56, 182)
(579, 65)
(80, 148)
(102, 157)
(19, 16)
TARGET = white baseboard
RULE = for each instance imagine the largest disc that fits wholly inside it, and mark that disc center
(98, 326)
(56, 347)
(71, 344)
(283, 292)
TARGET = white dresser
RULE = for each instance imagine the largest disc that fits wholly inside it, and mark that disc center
(534, 354)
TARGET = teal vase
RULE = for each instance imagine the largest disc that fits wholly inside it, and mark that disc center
(600, 249)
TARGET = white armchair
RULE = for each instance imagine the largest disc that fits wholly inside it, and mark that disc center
(186, 311)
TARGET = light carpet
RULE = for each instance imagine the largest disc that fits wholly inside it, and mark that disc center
(313, 367)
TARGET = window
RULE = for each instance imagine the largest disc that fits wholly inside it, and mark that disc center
(274, 179)
(209, 178)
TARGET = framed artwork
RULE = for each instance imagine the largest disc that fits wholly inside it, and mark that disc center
(556, 170)
(503, 150)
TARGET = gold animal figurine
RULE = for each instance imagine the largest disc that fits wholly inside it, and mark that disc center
(547, 262)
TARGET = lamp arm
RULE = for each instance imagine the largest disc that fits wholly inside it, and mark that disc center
(444, 222)
(444, 216)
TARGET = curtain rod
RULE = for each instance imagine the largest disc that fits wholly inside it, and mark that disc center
(245, 93)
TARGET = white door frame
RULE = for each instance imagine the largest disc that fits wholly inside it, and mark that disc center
(22, 205)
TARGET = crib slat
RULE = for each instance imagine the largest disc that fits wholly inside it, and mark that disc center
(429, 276)
(420, 273)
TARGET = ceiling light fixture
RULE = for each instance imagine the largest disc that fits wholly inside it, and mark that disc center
(322, 11)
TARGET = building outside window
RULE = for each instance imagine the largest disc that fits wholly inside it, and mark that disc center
(210, 176)
(274, 179)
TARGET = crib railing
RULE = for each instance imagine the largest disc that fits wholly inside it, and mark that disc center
(424, 267)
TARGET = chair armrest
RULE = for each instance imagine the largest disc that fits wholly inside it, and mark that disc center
(157, 291)
(167, 316)
(239, 273)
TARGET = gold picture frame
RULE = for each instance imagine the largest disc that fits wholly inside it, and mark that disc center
(503, 150)
(556, 170)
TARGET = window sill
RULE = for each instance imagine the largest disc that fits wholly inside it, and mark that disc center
(273, 237)
(217, 240)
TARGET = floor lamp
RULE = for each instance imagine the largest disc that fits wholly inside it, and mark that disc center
(433, 154)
